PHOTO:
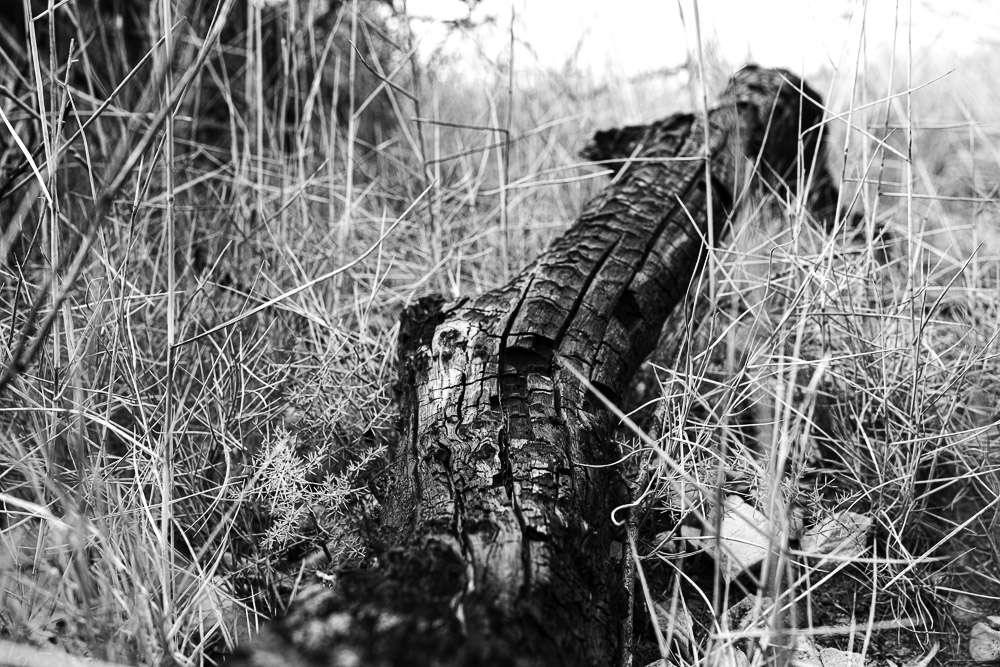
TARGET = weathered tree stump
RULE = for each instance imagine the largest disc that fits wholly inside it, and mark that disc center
(495, 541)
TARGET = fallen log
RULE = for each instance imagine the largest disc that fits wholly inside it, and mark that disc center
(494, 547)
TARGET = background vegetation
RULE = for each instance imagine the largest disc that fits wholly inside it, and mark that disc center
(212, 213)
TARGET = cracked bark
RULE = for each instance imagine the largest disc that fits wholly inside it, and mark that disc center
(495, 539)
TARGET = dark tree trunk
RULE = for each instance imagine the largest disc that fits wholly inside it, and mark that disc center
(495, 540)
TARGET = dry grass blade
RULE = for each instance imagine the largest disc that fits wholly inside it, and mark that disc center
(312, 283)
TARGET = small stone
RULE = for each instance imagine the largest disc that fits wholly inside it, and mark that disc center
(726, 656)
(747, 537)
(831, 657)
(740, 616)
(965, 608)
(804, 652)
(753, 613)
(844, 534)
(691, 533)
(984, 640)
(682, 629)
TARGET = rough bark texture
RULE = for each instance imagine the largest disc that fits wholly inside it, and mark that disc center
(786, 127)
(495, 542)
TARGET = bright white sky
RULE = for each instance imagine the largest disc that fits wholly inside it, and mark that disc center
(633, 36)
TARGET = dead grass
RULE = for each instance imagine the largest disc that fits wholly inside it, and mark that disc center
(835, 376)
(192, 407)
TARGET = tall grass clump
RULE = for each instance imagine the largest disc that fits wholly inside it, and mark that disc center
(852, 370)
(181, 427)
